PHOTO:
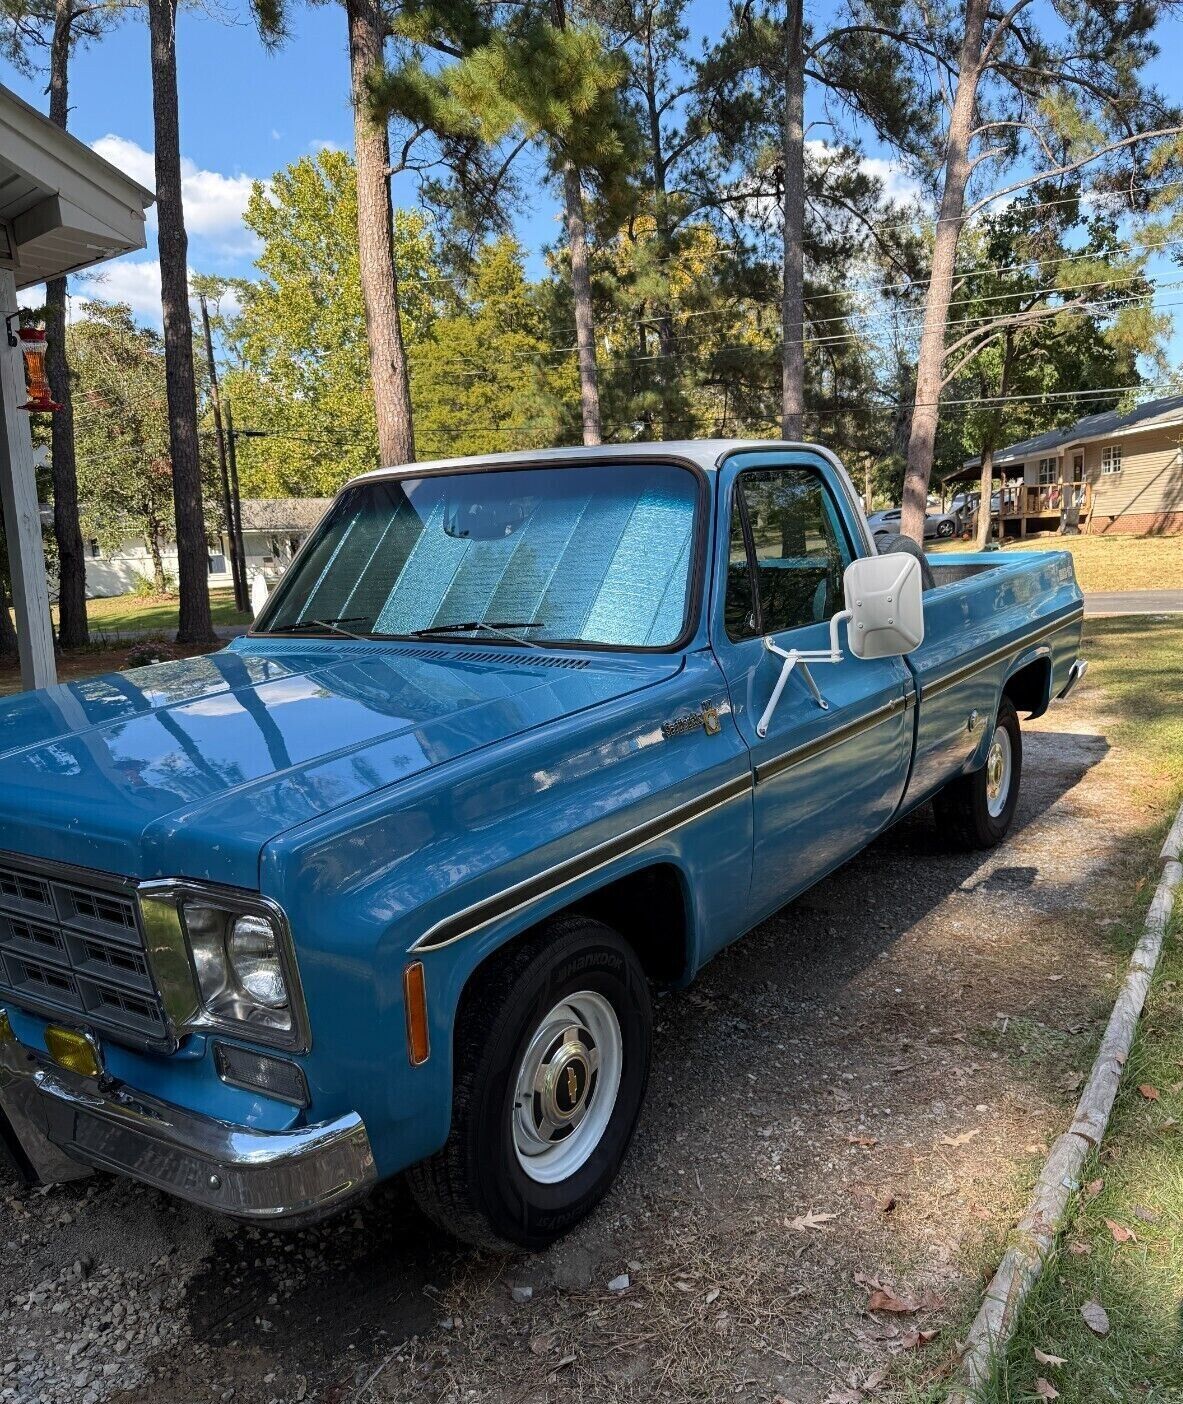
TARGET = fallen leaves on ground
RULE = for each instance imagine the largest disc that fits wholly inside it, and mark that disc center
(1045, 1359)
(809, 1220)
(1094, 1188)
(1045, 1389)
(910, 1340)
(962, 1139)
(1120, 1233)
(1149, 1091)
(885, 1299)
(1148, 1216)
(867, 1142)
(1096, 1318)
(1079, 1249)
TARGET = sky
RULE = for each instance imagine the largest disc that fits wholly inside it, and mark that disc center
(245, 113)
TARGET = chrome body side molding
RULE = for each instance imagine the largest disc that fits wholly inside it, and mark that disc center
(522, 894)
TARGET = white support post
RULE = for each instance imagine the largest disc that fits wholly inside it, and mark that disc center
(22, 516)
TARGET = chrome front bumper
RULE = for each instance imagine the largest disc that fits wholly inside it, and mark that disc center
(64, 1125)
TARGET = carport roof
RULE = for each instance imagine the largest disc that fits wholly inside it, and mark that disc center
(62, 207)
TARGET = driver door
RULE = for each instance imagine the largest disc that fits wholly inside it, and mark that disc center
(827, 780)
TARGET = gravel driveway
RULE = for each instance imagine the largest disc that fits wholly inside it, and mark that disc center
(844, 1112)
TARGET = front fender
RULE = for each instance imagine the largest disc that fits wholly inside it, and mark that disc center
(453, 864)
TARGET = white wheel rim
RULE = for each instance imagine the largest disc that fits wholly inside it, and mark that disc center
(999, 764)
(566, 1087)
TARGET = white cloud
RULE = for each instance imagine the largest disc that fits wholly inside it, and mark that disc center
(898, 185)
(214, 202)
(324, 144)
(136, 282)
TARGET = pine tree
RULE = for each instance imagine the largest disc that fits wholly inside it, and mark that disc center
(757, 77)
(195, 623)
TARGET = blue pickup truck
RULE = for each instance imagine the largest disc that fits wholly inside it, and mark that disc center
(384, 885)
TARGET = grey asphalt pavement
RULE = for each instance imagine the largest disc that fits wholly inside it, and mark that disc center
(1134, 602)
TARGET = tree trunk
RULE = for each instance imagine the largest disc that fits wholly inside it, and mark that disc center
(195, 624)
(72, 626)
(585, 329)
(792, 312)
(930, 366)
(236, 574)
(667, 374)
(982, 536)
(236, 509)
(375, 242)
(152, 541)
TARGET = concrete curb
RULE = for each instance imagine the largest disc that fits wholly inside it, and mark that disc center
(1031, 1242)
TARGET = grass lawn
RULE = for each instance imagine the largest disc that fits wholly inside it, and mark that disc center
(1134, 1183)
(1111, 562)
(157, 614)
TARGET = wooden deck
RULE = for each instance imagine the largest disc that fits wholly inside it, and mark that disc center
(1030, 507)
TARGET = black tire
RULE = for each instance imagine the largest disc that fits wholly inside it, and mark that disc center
(946, 529)
(963, 807)
(475, 1187)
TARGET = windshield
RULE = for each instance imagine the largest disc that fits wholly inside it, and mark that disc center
(595, 555)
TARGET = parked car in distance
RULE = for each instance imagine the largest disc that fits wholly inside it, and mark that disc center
(385, 885)
(937, 524)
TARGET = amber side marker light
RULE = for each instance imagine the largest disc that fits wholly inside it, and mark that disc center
(73, 1050)
(415, 999)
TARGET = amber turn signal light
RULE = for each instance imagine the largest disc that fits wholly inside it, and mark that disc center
(415, 999)
(73, 1050)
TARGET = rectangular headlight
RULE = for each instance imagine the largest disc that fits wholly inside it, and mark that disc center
(239, 968)
(236, 950)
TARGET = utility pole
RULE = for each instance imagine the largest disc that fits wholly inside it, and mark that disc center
(236, 505)
(237, 573)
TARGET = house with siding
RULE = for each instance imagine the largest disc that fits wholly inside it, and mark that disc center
(273, 529)
(1120, 471)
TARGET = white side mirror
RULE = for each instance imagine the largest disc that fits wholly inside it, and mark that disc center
(886, 604)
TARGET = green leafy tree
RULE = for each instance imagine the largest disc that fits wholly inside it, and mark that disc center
(483, 378)
(299, 382)
(125, 475)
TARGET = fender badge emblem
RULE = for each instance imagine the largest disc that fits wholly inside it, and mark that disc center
(706, 719)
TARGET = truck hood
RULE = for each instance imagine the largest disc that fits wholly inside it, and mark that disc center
(187, 769)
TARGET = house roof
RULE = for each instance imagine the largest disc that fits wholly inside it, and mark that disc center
(62, 207)
(1154, 414)
(282, 513)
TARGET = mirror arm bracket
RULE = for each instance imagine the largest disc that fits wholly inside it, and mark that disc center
(801, 659)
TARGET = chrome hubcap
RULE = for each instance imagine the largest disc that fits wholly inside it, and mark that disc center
(998, 772)
(566, 1087)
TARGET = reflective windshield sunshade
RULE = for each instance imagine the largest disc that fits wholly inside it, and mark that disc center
(600, 555)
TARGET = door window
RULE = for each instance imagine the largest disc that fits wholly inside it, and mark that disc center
(787, 555)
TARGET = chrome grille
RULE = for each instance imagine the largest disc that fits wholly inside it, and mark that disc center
(71, 947)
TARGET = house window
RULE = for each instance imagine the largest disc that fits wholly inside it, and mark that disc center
(1111, 458)
(93, 547)
(1048, 470)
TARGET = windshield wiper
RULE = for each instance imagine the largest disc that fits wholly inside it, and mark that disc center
(500, 627)
(333, 625)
